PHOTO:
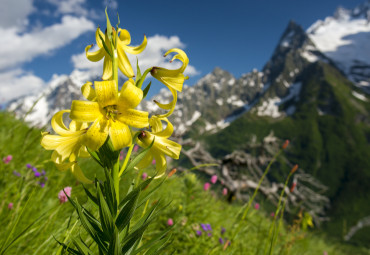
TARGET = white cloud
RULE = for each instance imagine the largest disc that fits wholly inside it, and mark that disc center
(13, 14)
(151, 56)
(16, 83)
(18, 48)
(70, 7)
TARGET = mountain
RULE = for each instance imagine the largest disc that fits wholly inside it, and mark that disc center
(313, 91)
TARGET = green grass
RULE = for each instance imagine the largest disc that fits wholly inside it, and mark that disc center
(190, 206)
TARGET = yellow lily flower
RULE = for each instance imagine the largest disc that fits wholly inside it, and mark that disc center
(111, 113)
(161, 146)
(173, 79)
(123, 40)
(67, 144)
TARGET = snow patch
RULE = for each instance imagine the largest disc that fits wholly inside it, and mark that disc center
(194, 118)
(359, 96)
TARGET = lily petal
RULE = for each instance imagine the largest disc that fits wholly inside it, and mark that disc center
(97, 134)
(77, 172)
(124, 36)
(106, 92)
(181, 55)
(130, 95)
(170, 106)
(132, 117)
(124, 64)
(88, 92)
(160, 164)
(171, 78)
(120, 135)
(94, 56)
(58, 124)
(97, 37)
(85, 111)
(156, 125)
(135, 49)
(146, 161)
(107, 68)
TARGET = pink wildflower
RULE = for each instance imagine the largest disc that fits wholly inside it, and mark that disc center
(153, 162)
(170, 222)
(257, 206)
(136, 148)
(10, 206)
(206, 186)
(214, 179)
(7, 159)
(62, 197)
(144, 176)
(224, 191)
(272, 214)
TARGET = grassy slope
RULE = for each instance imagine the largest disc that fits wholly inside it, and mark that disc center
(190, 206)
(334, 147)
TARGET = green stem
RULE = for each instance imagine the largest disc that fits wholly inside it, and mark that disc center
(255, 193)
(115, 177)
(126, 159)
(278, 208)
(140, 83)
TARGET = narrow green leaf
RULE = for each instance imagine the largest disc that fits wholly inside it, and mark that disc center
(109, 26)
(86, 224)
(95, 156)
(146, 90)
(70, 250)
(110, 193)
(125, 215)
(130, 195)
(138, 72)
(159, 246)
(91, 196)
(150, 193)
(160, 237)
(81, 247)
(139, 157)
(106, 47)
(135, 236)
(105, 215)
(114, 245)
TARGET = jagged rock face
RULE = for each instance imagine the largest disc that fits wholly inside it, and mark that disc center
(219, 98)
(344, 38)
(213, 99)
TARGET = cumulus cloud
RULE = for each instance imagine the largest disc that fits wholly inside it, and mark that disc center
(151, 56)
(16, 83)
(18, 48)
(13, 14)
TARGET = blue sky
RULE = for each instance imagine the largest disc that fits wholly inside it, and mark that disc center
(46, 38)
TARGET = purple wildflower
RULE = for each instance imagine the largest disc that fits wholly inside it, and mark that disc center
(204, 227)
(223, 230)
(209, 234)
(29, 166)
(209, 227)
(41, 184)
(198, 232)
(34, 169)
(220, 240)
(43, 172)
(16, 173)
(46, 178)
(37, 174)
